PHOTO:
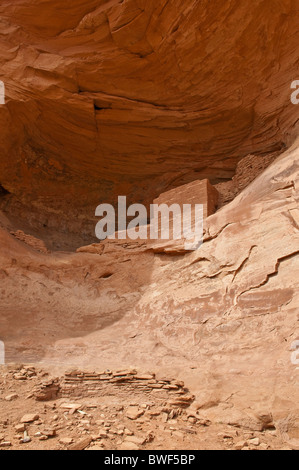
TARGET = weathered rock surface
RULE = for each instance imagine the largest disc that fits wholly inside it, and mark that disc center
(137, 98)
(230, 309)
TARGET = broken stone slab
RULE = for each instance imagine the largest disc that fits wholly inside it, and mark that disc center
(102, 434)
(66, 441)
(128, 446)
(5, 444)
(20, 428)
(20, 377)
(49, 432)
(30, 418)
(181, 402)
(122, 379)
(153, 414)
(254, 442)
(171, 387)
(139, 441)
(178, 383)
(12, 397)
(72, 373)
(121, 373)
(133, 412)
(240, 445)
(144, 377)
(81, 445)
(71, 406)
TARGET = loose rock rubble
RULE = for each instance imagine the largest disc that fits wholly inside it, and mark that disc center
(98, 414)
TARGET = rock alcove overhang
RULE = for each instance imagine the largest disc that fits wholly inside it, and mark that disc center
(137, 97)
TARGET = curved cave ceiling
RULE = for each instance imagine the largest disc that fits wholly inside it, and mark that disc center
(107, 98)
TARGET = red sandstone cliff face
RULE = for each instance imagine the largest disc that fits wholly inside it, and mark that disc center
(107, 98)
(136, 97)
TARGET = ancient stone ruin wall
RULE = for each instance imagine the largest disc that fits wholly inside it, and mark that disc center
(76, 384)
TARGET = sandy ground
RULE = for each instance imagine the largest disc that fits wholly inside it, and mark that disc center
(103, 422)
